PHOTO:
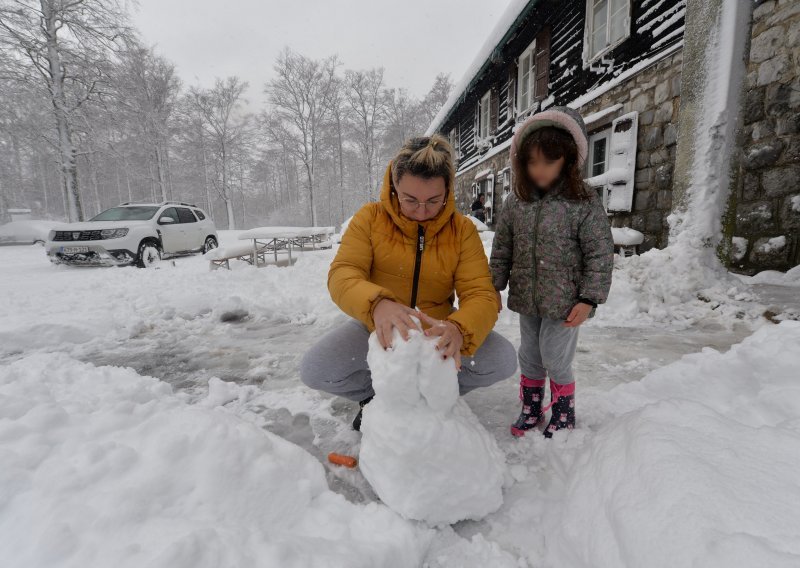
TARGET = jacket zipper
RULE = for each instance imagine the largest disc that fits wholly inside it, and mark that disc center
(417, 263)
(535, 263)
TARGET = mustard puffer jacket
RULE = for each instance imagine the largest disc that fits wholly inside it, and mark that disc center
(378, 259)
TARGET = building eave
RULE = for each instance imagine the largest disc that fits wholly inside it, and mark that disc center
(490, 52)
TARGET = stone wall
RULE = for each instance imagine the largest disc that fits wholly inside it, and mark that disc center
(655, 94)
(766, 225)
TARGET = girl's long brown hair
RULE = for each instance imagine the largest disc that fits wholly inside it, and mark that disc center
(554, 143)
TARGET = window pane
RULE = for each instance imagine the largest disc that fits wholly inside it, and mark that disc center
(618, 19)
(600, 15)
(617, 5)
(599, 40)
(186, 215)
(599, 157)
(525, 64)
(617, 29)
(525, 82)
(126, 214)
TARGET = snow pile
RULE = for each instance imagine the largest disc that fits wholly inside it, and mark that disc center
(674, 285)
(738, 248)
(625, 236)
(104, 467)
(773, 244)
(788, 278)
(695, 466)
(423, 451)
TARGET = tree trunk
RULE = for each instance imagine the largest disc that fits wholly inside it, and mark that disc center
(66, 146)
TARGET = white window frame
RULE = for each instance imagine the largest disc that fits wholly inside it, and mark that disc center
(530, 53)
(623, 12)
(484, 109)
(603, 134)
(455, 140)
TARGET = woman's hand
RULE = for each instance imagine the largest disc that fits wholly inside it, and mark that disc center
(499, 301)
(578, 315)
(450, 338)
(388, 315)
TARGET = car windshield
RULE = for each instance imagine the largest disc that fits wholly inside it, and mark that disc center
(126, 214)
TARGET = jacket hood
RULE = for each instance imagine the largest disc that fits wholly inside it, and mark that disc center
(391, 204)
(561, 117)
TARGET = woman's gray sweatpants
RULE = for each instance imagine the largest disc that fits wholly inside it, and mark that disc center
(337, 363)
(546, 347)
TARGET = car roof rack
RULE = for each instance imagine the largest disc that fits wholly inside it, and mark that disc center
(160, 204)
(177, 203)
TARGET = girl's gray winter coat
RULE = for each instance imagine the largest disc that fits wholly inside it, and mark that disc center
(552, 251)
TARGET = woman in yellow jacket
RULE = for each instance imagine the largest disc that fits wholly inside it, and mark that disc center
(411, 255)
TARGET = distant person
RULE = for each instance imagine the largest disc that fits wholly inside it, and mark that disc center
(408, 256)
(553, 248)
(478, 208)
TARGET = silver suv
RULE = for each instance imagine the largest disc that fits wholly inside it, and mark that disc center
(133, 233)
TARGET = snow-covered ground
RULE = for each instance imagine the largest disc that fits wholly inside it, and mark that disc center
(155, 417)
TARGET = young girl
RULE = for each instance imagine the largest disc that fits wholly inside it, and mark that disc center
(553, 247)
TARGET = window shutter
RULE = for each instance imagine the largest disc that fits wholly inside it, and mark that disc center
(622, 162)
(542, 65)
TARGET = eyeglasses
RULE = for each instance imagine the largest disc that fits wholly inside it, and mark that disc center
(414, 205)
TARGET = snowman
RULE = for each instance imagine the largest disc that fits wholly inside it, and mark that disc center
(423, 451)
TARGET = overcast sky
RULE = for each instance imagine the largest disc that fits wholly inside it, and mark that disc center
(412, 39)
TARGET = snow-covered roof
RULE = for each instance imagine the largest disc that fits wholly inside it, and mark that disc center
(516, 9)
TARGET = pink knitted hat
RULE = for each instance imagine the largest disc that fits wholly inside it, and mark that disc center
(561, 117)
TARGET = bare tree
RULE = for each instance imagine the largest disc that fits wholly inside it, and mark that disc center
(69, 45)
(146, 91)
(436, 97)
(227, 126)
(365, 93)
(301, 95)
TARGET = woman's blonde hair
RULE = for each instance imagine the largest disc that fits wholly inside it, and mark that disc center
(426, 157)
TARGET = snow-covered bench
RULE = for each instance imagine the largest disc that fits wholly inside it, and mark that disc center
(221, 257)
(263, 241)
(627, 240)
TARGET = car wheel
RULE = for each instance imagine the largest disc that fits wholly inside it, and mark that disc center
(149, 255)
(210, 244)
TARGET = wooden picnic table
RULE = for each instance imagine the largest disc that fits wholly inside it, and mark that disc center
(273, 239)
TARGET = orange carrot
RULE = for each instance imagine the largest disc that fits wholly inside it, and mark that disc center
(339, 459)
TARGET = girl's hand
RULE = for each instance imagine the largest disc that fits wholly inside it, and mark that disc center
(388, 315)
(450, 338)
(578, 315)
(499, 301)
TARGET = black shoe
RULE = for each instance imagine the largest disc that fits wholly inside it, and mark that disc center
(531, 393)
(563, 405)
(357, 419)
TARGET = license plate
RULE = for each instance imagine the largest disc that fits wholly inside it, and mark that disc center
(73, 250)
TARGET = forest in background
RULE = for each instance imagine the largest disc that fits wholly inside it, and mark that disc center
(91, 117)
